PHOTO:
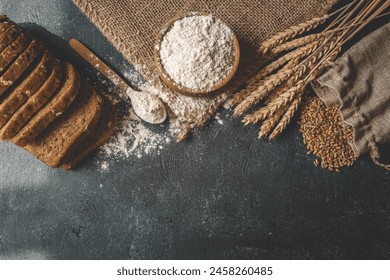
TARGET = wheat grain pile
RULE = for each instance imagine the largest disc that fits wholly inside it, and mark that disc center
(326, 135)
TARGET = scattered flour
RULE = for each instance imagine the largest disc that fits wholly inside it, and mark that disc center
(197, 52)
(134, 138)
(104, 166)
(218, 118)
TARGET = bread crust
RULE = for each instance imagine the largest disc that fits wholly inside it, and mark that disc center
(69, 130)
(20, 65)
(96, 138)
(53, 109)
(20, 94)
(12, 51)
(9, 35)
(33, 104)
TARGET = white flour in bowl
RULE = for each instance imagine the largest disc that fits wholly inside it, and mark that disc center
(197, 52)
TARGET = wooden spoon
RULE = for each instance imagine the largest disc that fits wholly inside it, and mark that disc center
(146, 105)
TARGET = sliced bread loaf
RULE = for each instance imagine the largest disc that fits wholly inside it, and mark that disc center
(97, 137)
(20, 65)
(69, 130)
(33, 104)
(12, 51)
(19, 95)
(54, 108)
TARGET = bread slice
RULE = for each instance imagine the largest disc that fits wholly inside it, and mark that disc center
(96, 138)
(12, 51)
(3, 18)
(69, 130)
(20, 65)
(19, 95)
(4, 24)
(32, 105)
(54, 108)
(9, 35)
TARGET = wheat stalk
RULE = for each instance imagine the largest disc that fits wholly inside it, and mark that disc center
(297, 73)
(258, 90)
(270, 123)
(266, 87)
(284, 89)
(289, 114)
(257, 80)
(285, 98)
(254, 83)
(291, 32)
(277, 104)
(303, 41)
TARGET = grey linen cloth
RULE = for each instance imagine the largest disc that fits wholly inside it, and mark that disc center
(359, 82)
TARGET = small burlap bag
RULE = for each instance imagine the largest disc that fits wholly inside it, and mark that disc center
(360, 83)
(132, 26)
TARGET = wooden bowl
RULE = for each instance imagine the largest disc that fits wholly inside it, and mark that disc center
(182, 89)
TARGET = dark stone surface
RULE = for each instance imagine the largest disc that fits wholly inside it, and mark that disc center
(222, 194)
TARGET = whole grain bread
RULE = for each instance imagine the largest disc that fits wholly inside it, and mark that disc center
(9, 35)
(4, 25)
(19, 95)
(12, 51)
(69, 130)
(33, 104)
(20, 65)
(97, 137)
(54, 108)
(3, 18)
(42, 109)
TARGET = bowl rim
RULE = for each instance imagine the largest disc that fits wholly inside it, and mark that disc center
(164, 76)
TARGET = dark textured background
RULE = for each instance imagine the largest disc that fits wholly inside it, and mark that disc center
(222, 194)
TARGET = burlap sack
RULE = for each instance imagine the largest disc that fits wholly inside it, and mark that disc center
(132, 25)
(360, 83)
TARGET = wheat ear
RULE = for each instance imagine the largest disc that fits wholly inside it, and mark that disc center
(289, 114)
(306, 67)
(275, 105)
(256, 81)
(291, 32)
(292, 108)
(259, 90)
(300, 42)
(264, 89)
(278, 91)
(269, 123)
(285, 92)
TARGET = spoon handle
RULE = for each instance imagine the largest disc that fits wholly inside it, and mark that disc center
(98, 64)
